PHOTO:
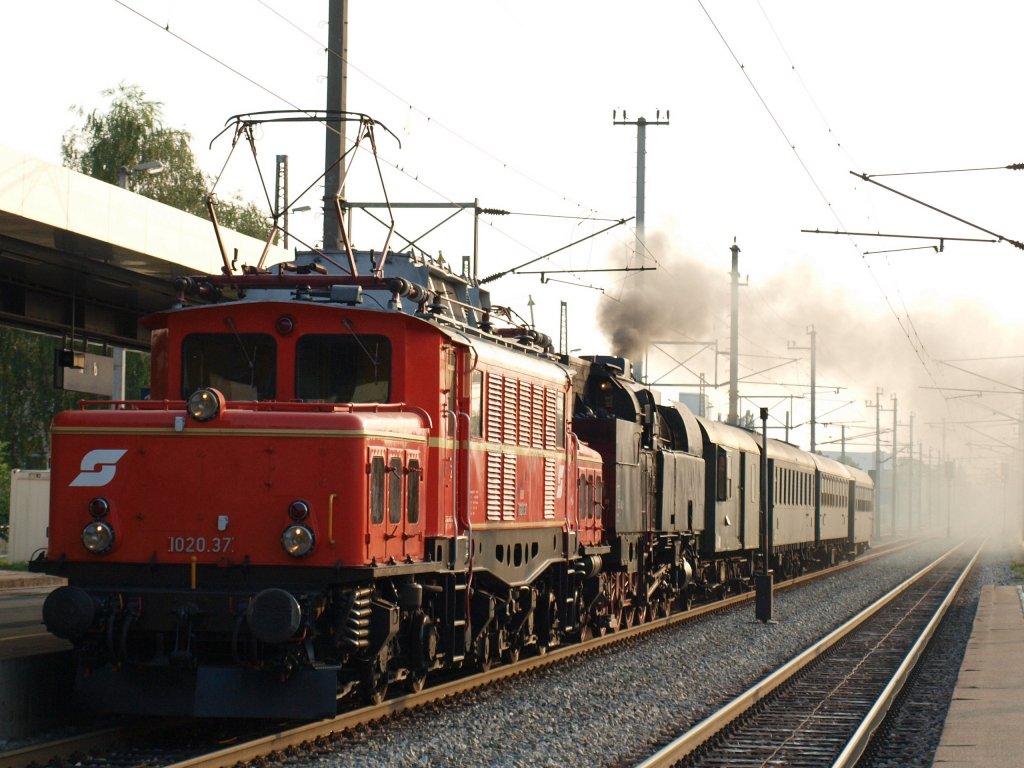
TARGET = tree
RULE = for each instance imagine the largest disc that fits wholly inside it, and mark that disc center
(5, 492)
(130, 132)
(25, 418)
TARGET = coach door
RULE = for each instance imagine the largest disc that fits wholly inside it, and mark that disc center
(395, 509)
(751, 500)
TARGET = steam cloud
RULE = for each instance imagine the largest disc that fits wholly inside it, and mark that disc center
(680, 299)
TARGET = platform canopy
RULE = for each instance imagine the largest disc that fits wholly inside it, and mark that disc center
(80, 254)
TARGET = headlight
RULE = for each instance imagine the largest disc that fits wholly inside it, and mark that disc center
(97, 537)
(205, 404)
(99, 507)
(297, 540)
(298, 510)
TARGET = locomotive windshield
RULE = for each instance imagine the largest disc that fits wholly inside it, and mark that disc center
(352, 368)
(241, 365)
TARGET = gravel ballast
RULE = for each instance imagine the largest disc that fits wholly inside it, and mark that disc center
(612, 707)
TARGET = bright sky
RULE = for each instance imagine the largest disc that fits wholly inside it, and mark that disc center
(773, 103)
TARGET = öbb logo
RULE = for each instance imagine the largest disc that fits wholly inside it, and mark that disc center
(98, 467)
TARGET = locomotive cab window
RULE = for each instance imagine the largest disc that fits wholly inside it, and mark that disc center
(241, 365)
(349, 368)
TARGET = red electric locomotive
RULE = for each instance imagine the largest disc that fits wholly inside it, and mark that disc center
(334, 487)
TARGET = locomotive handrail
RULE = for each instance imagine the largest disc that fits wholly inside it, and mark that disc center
(469, 519)
(573, 470)
(265, 405)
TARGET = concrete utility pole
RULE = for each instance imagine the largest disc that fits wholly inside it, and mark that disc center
(910, 482)
(734, 338)
(814, 379)
(814, 382)
(877, 405)
(895, 448)
(1020, 431)
(337, 101)
(946, 473)
(640, 247)
(923, 484)
(932, 494)
(281, 194)
(563, 328)
(641, 153)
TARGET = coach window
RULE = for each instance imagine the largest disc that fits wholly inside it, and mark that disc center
(242, 366)
(412, 491)
(377, 490)
(598, 502)
(722, 475)
(343, 368)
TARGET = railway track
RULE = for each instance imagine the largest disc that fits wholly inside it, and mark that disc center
(822, 708)
(225, 743)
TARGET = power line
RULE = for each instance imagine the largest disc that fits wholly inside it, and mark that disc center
(918, 347)
(430, 118)
(1010, 167)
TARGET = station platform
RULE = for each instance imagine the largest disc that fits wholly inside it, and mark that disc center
(985, 723)
(23, 579)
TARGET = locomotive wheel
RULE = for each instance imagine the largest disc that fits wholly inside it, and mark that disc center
(511, 654)
(416, 680)
(723, 572)
(686, 601)
(377, 687)
(484, 655)
(627, 618)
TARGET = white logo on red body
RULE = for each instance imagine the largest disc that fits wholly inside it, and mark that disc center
(98, 467)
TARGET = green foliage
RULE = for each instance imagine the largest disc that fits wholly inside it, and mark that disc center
(26, 368)
(243, 217)
(136, 375)
(29, 400)
(1017, 567)
(130, 132)
(5, 491)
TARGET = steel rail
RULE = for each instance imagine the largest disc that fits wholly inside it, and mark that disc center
(703, 731)
(62, 749)
(861, 738)
(309, 732)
